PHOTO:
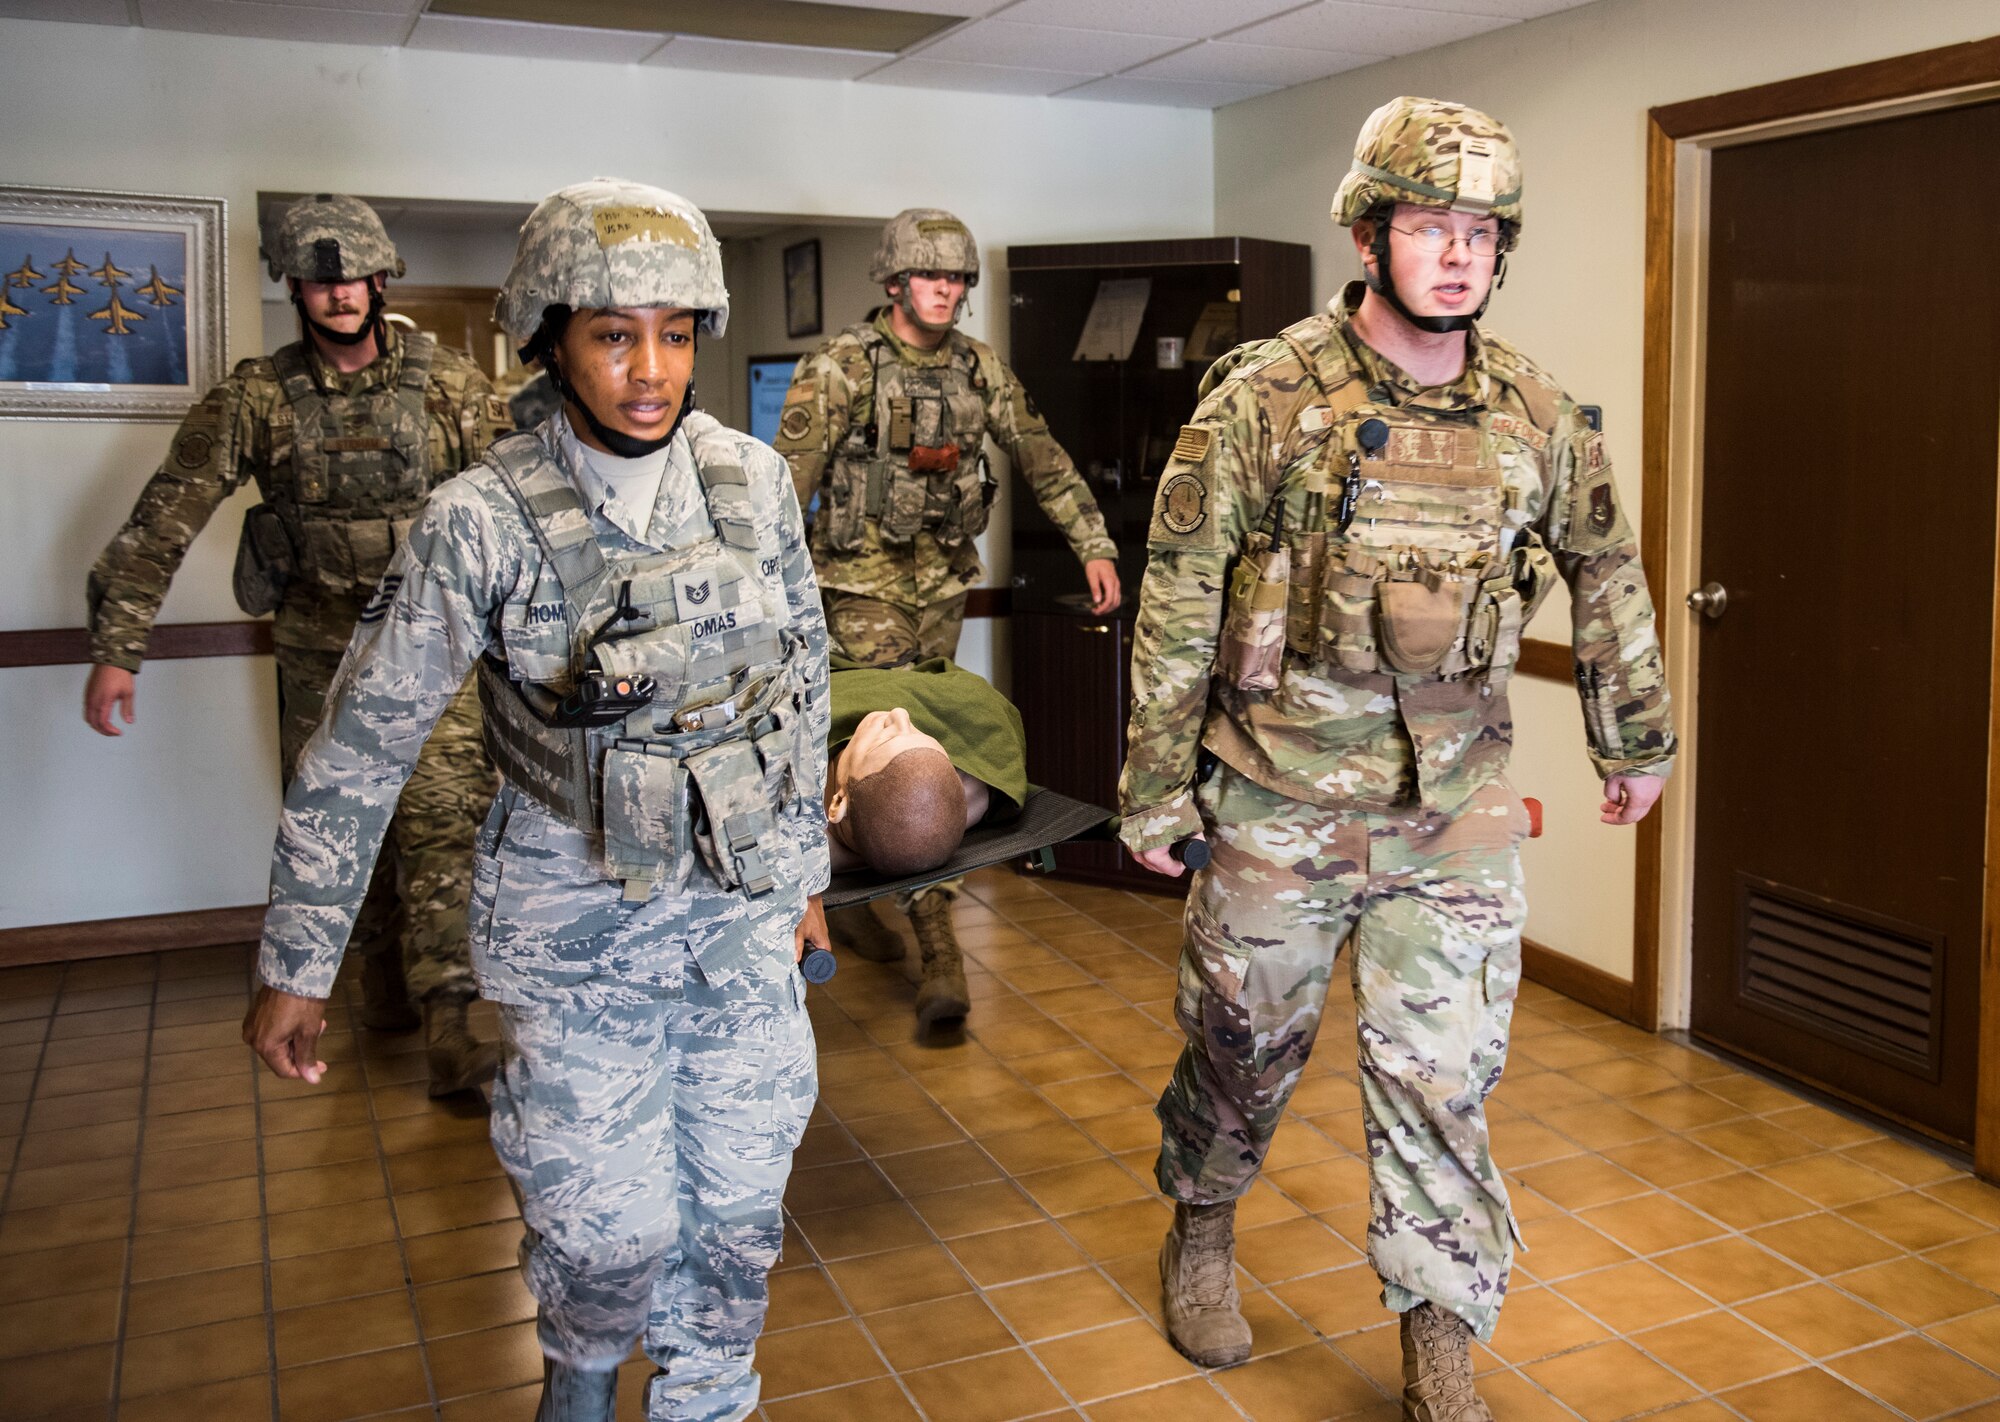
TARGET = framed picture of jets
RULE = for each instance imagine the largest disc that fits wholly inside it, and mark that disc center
(112, 305)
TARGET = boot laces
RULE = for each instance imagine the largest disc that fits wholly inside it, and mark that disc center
(1207, 1258)
(1444, 1363)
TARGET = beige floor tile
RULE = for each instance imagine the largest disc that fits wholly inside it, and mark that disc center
(940, 1331)
(1977, 1260)
(1300, 1385)
(1580, 1181)
(878, 1400)
(1731, 1270)
(1717, 1351)
(352, 1387)
(1060, 1304)
(1609, 1380)
(1914, 1220)
(1808, 1396)
(1918, 1293)
(1744, 1200)
(1819, 1320)
(1669, 1161)
(1536, 1323)
(1826, 1244)
(1560, 1247)
(1191, 1400)
(1274, 1253)
(1976, 1337)
(1629, 1297)
(897, 1278)
(190, 1300)
(1122, 1357)
(469, 1363)
(1917, 1377)
(245, 1399)
(191, 1357)
(47, 1326)
(1650, 1224)
(1011, 1255)
(996, 1388)
(976, 1209)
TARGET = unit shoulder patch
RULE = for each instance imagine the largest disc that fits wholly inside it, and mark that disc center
(1184, 511)
(193, 448)
(796, 424)
(1183, 503)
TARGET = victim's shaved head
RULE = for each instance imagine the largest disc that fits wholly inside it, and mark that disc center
(909, 816)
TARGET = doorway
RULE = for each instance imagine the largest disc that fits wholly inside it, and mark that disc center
(1850, 438)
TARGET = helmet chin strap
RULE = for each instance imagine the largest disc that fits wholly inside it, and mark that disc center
(1382, 282)
(622, 445)
(373, 326)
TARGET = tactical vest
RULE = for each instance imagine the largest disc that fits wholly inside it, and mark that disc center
(359, 471)
(913, 458)
(707, 767)
(1406, 552)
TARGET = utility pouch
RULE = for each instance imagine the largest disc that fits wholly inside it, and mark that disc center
(843, 509)
(908, 499)
(1347, 611)
(734, 827)
(1302, 601)
(1251, 656)
(645, 819)
(1494, 639)
(1422, 618)
(901, 426)
(265, 562)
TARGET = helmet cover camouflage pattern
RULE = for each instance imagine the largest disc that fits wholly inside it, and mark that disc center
(925, 239)
(609, 242)
(1435, 154)
(329, 237)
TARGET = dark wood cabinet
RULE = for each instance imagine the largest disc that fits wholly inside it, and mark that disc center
(1118, 419)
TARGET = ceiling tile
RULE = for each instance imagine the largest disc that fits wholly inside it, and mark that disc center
(1219, 61)
(1130, 89)
(1352, 28)
(468, 36)
(1189, 19)
(1047, 47)
(928, 7)
(920, 71)
(280, 22)
(1510, 9)
(742, 57)
(380, 7)
(76, 12)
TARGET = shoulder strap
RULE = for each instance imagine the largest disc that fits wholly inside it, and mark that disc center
(556, 514)
(725, 486)
(295, 378)
(419, 352)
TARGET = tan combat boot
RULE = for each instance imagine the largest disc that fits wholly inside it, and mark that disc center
(385, 996)
(942, 998)
(1198, 1277)
(459, 1061)
(1437, 1368)
(856, 929)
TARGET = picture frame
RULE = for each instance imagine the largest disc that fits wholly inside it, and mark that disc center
(112, 304)
(802, 307)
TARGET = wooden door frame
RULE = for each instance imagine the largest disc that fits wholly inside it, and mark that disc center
(1678, 137)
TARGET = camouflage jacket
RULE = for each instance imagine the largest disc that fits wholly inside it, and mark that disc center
(461, 588)
(1372, 741)
(834, 392)
(241, 431)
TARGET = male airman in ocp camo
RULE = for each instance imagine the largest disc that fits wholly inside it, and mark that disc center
(1349, 538)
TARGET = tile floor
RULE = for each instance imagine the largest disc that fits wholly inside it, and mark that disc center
(974, 1227)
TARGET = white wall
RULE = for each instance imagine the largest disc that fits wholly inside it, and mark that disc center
(179, 816)
(1575, 88)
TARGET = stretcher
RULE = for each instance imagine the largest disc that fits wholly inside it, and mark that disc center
(1045, 821)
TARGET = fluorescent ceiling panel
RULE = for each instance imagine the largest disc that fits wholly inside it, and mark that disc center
(762, 21)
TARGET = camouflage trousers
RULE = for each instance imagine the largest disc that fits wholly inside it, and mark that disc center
(650, 1143)
(886, 634)
(1433, 906)
(423, 877)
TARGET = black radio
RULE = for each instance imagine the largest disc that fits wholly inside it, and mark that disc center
(602, 700)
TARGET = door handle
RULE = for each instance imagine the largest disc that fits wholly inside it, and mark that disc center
(1100, 628)
(1711, 600)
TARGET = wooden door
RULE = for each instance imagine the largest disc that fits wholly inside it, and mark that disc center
(1850, 448)
(459, 316)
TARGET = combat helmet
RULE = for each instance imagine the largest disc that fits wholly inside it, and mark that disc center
(1432, 153)
(609, 242)
(924, 239)
(332, 237)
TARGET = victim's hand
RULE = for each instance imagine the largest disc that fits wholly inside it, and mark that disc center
(811, 932)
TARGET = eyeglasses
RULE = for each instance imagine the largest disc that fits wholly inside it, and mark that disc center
(1480, 241)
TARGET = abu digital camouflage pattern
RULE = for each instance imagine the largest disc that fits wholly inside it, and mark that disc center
(924, 239)
(421, 886)
(329, 237)
(831, 407)
(1434, 154)
(627, 1177)
(608, 242)
(244, 431)
(1373, 740)
(1433, 907)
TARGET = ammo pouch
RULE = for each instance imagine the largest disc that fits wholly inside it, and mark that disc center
(265, 562)
(349, 555)
(1251, 656)
(1423, 616)
(1506, 602)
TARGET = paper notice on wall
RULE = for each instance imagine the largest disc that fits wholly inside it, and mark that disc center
(1214, 331)
(1115, 318)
